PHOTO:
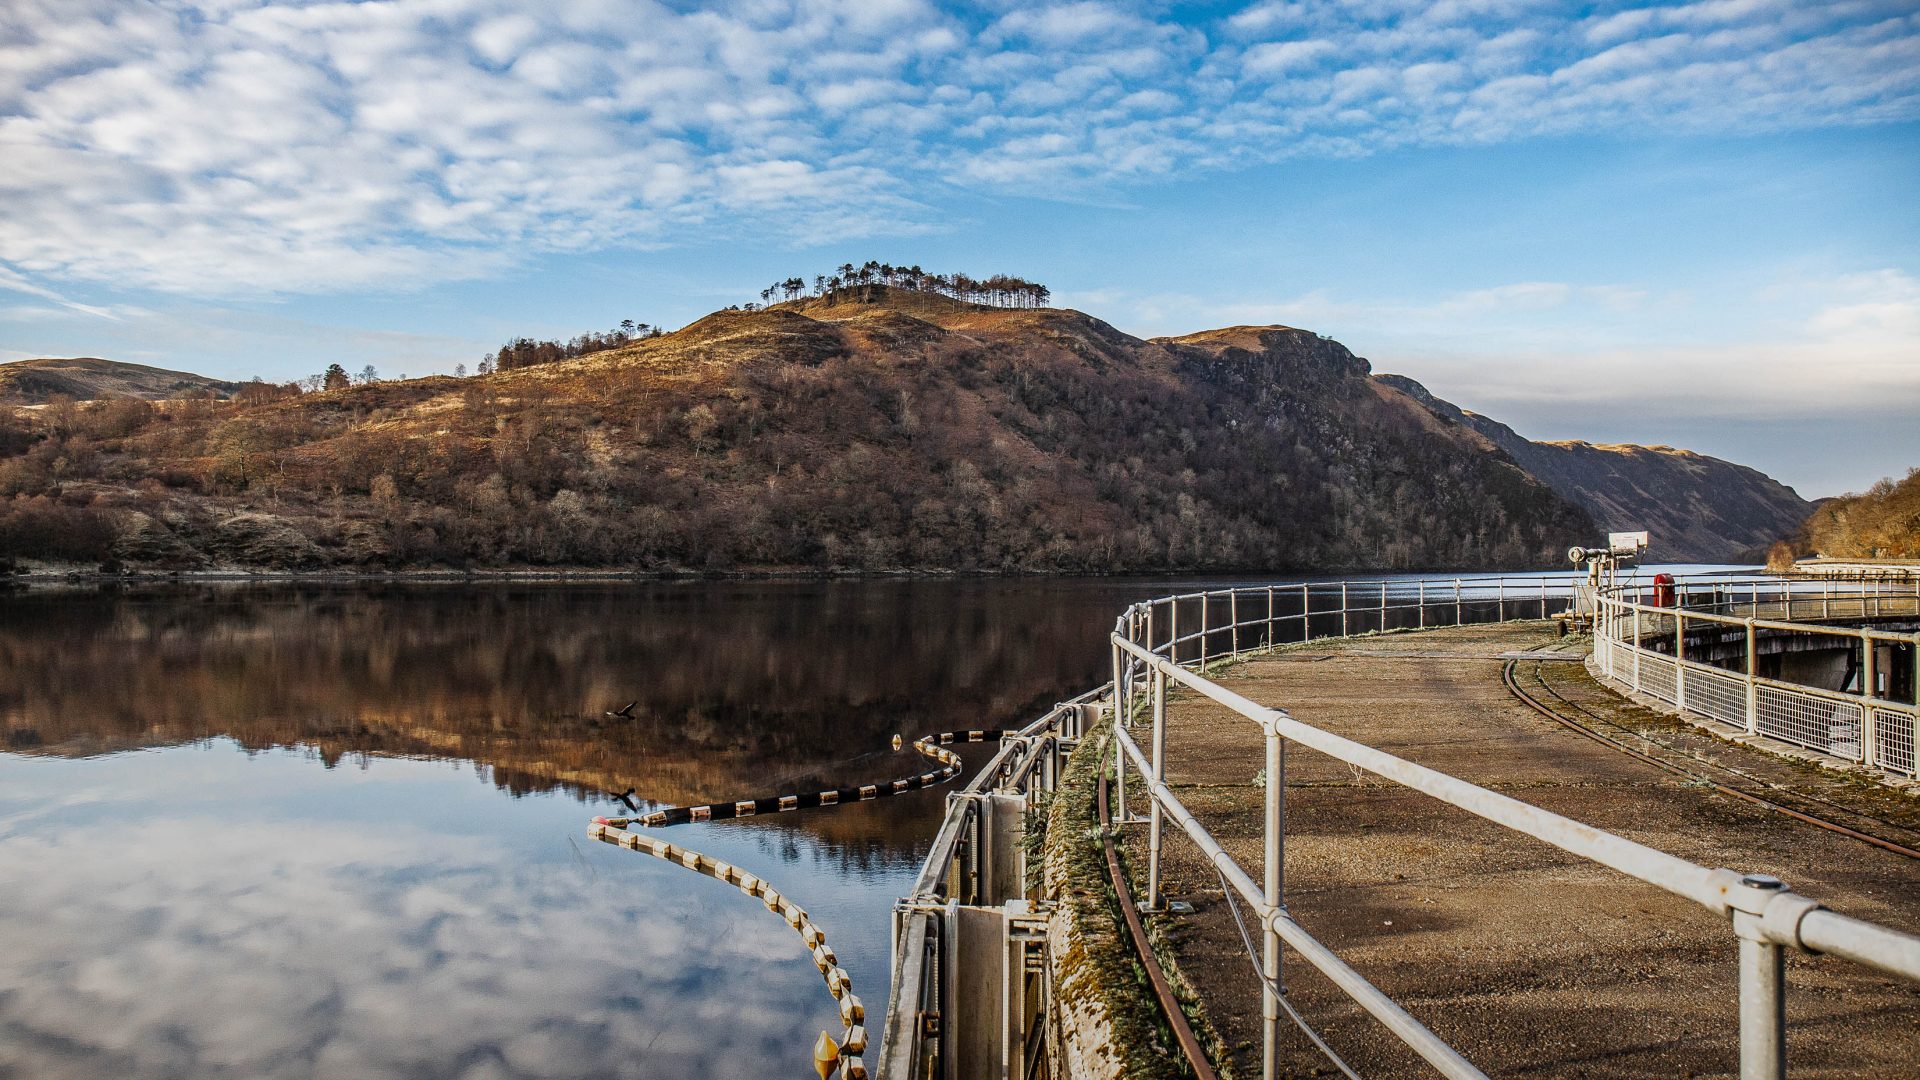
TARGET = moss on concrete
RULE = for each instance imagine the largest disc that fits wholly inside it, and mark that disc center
(1101, 990)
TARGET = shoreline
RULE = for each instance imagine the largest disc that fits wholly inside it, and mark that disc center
(41, 576)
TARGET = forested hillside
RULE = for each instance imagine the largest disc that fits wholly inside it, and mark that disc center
(888, 429)
(1883, 523)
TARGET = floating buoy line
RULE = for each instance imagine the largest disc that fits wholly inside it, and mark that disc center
(844, 1054)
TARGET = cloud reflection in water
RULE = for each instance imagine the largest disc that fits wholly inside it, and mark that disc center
(219, 916)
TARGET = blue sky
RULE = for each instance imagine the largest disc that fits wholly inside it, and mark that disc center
(1689, 223)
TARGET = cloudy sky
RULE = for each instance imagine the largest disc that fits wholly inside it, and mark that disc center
(1690, 223)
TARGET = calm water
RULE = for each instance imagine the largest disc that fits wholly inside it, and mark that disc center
(315, 831)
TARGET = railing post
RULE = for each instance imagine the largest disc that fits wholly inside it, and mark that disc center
(1459, 612)
(1753, 688)
(1270, 639)
(1173, 629)
(1636, 648)
(1274, 887)
(1205, 625)
(1867, 680)
(1343, 609)
(1502, 601)
(1869, 688)
(1763, 992)
(1119, 754)
(1383, 606)
(1233, 613)
(1306, 613)
(1423, 603)
(1679, 655)
(1159, 776)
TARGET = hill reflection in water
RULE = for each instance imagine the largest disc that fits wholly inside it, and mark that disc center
(220, 904)
(738, 685)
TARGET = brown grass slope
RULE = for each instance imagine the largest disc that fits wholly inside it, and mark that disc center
(903, 432)
(87, 378)
(1698, 508)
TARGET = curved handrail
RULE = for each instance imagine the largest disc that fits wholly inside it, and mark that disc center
(1642, 647)
(1153, 649)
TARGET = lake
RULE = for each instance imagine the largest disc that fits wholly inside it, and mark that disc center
(316, 830)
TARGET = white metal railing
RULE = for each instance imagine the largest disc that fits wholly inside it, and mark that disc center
(1701, 648)
(1151, 651)
(1172, 640)
(915, 1045)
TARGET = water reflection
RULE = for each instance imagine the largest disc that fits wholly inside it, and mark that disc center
(189, 893)
(219, 905)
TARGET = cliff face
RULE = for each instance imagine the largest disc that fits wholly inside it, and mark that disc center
(1698, 508)
(907, 431)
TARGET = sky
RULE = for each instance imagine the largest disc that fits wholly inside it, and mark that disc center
(1684, 223)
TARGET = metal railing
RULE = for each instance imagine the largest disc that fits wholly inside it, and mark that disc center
(1701, 648)
(917, 1040)
(1152, 651)
(1172, 640)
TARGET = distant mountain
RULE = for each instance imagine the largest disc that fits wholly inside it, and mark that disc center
(876, 429)
(1698, 508)
(88, 378)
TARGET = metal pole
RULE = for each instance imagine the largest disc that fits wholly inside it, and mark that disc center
(1636, 649)
(1867, 658)
(1869, 686)
(1306, 614)
(1383, 607)
(1233, 613)
(1459, 616)
(1159, 775)
(1274, 887)
(1343, 609)
(1679, 656)
(1173, 629)
(1270, 641)
(1205, 625)
(1753, 688)
(1763, 994)
(1423, 603)
(1119, 757)
(1502, 601)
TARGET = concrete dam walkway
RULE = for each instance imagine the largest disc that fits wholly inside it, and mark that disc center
(1530, 961)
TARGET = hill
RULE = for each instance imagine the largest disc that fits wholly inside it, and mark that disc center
(87, 378)
(1881, 523)
(1698, 508)
(878, 430)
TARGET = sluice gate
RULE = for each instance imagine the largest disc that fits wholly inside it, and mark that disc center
(972, 980)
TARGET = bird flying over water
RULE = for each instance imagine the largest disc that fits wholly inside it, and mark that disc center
(627, 797)
(625, 713)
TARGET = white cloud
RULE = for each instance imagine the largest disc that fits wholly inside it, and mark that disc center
(1793, 348)
(237, 146)
(1280, 57)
